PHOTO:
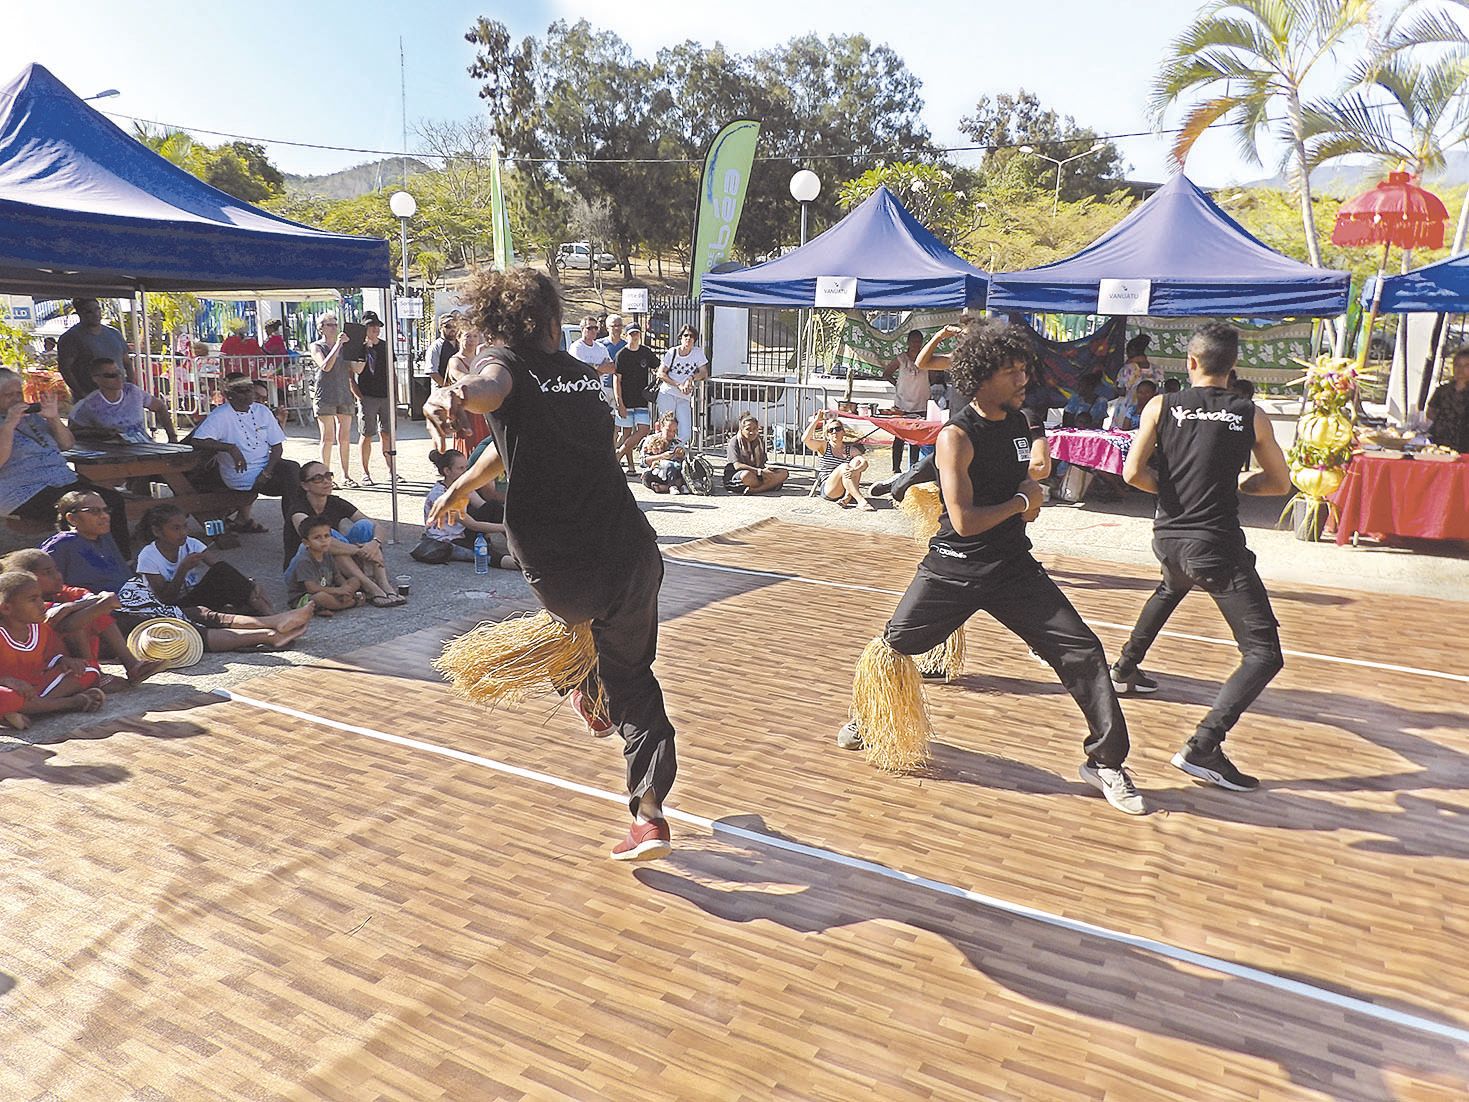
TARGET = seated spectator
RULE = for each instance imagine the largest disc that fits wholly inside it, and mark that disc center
(247, 441)
(34, 474)
(1087, 409)
(275, 345)
(1171, 386)
(83, 548)
(80, 617)
(452, 538)
(1240, 386)
(663, 454)
(354, 536)
(1448, 409)
(181, 577)
(36, 676)
(316, 576)
(842, 464)
(1127, 413)
(746, 468)
(238, 344)
(118, 406)
(262, 397)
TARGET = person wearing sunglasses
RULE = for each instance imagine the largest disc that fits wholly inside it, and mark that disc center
(246, 441)
(683, 365)
(118, 406)
(842, 464)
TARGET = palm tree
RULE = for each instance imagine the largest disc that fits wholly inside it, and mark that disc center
(1417, 114)
(174, 146)
(1244, 57)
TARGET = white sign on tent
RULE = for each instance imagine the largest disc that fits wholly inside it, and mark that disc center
(1124, 296)
(836, 292)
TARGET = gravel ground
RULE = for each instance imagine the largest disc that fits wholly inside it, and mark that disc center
(1113, 531)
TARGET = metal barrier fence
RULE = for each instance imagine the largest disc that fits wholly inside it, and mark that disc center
(194, 385)
(784, 409)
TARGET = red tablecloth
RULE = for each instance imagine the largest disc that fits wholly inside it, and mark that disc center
(1094, 449)
(912, 430)
(1404, 497)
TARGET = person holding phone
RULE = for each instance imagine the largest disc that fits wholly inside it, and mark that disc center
(34, 475)
(333, 397)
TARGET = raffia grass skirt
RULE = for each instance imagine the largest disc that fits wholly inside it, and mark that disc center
(889, 709)
(510, 660)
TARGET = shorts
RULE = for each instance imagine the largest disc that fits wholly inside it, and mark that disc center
(372, 414)
(333, 409)
(634, 417)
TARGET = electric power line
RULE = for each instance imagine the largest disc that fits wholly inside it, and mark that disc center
(983, 147)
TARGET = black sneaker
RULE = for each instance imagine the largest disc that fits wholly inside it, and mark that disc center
(1214, 768)
(880, 489)
(1136, 683)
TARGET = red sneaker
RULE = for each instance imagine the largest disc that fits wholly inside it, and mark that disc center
(645, 842)
(600, 726)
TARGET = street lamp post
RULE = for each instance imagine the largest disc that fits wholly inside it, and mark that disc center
(1056, 202)
(404, 207)
(805, 187)
(106, 93)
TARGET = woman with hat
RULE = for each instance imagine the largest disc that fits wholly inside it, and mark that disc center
(374, 417)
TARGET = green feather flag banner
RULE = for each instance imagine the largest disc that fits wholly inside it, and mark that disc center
(500, 217)
(721, 197)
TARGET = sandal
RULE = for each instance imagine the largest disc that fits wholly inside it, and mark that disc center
(351, 483)
(246, 527)
(382, 600)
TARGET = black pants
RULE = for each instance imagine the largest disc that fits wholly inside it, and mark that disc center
(43, 507)
(1228, 575)
(1022, 597)
(284, 481)
(222, 588)
(914, 450)
(621, 601)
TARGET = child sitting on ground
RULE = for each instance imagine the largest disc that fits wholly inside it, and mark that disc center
(663, 456)
(458, 535)
(36, 676)
(316, 577)
(82, 618)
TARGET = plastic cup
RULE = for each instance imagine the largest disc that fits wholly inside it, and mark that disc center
(403, 581)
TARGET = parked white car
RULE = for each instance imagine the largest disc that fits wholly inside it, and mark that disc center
(577, 256)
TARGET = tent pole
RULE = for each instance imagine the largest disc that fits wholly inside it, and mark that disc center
(391, 453)
(145, 344)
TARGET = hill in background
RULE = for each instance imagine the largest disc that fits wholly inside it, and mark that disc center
(1345, 179)
(352, 182)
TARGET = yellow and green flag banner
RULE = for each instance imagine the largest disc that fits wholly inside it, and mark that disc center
(500, 217)
(721, 197)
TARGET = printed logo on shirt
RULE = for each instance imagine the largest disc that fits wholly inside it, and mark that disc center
(1022, 448)
(948, 552)
(1236, 421)
(567, 386)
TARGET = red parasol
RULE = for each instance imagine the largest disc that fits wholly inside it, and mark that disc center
(1395, 212)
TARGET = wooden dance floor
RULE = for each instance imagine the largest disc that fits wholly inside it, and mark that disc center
(251, 899)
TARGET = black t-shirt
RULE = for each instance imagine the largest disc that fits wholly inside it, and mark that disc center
(567, 505)
(373, 382)
(636, 368)
(1000, 464)
(337, 510)
(1205, 435)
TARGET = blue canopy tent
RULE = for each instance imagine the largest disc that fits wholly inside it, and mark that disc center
(896, 261)
(87, 210)
(1199, 261)
(1441, 288)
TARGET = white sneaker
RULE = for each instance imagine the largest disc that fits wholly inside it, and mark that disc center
(1116, 785)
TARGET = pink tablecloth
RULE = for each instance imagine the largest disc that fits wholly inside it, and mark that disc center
(1094, 449)
(1404, 497)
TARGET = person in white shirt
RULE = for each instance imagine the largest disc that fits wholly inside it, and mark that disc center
(912, 384)
(247, 441)
(592, 352)
(683, 365)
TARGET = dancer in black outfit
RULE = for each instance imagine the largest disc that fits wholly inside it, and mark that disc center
(573, 525)
(980, 560)
(1203, 437)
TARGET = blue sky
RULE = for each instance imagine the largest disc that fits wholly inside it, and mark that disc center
(327, 71)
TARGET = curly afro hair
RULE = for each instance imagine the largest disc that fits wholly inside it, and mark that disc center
(986, 349)
(520, 306)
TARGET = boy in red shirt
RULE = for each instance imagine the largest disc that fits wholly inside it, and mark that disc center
(36, 676)
(79, 616)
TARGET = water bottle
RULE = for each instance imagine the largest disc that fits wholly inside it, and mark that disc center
(481, 555)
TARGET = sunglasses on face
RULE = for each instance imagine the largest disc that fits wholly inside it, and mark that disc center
(325, 476)
(109, 375)
(89, 509)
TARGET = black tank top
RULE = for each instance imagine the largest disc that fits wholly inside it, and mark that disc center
(1205, 435)
(1001, 459)
(567, 505)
